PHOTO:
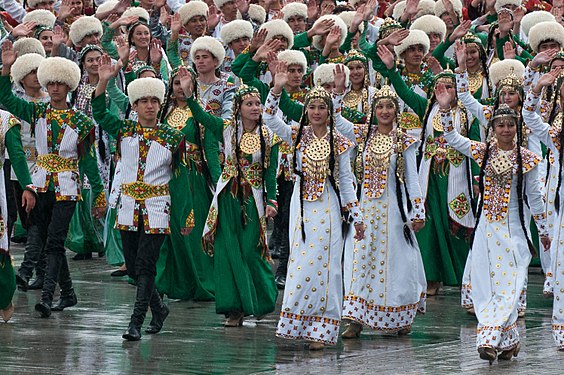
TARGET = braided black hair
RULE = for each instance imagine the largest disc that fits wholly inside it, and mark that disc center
(551, 118)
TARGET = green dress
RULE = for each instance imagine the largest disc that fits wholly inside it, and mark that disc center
(244, 281)
(7, 279)
(184, 271)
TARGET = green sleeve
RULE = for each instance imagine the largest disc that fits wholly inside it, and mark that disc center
(88, 164)
(474, 134)
(20, 108)
(17, 155)
(525, 54)
(109, 122)
(211, 123)
(129, 77)
(240, 62)
(346, 47)
(439, 54)
(291, 108)
(117, 96)
(107, 42)
(172, 54)
(301, 41)
(248, 76)
(365, 46)
(270, 174)
(211, 150)
(413, 100)
(500, 42)
(490, 18)
(322, 59)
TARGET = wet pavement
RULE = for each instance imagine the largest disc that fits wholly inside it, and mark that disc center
(86, 339)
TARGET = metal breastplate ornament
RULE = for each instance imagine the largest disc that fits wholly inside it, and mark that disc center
(381, 150)
(317, 158)
(178, 117)
(250, 143)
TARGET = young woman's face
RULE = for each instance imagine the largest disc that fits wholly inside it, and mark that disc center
(357, 72)
(46, 39)
(251, 109)
(385, 112)
(141, 36)
(505, 129)
(509, 96)
(177, 89)
(92, 62)
(434, 41)
(317, 113)
(472, 56)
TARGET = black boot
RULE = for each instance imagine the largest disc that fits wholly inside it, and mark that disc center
(68, 297)
(22, 282)
(145, 287)
(54, 261)
(37, 284)
(159, 311)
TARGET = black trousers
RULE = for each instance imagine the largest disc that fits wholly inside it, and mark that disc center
(282, 223)
(10, 199)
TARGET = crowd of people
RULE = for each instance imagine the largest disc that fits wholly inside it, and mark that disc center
(398, 147)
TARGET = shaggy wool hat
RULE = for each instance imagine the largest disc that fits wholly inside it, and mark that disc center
(353, 2)
(278, 28)
(236, 29)
(338, 22)
(220, 3)
(501, 3)
(41, 17)
(414, 38)
(137, 12)
(106, 6)
(257, 13)
(34, 3)
(531, 19)
(207, 43)
(430, 25)
(423, 8)
(545, 31)
(501, 69)
(25, 65)
(59, 69)
(293, 57)
(146, 88)
(84, 26)
(348, 16)
(294, 9)
(440, 7)
(325, 74)
(192, 9)
(24, 46)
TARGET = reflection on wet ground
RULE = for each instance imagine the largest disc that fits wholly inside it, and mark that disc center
(87, 339)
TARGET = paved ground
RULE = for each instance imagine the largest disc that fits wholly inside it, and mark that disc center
(87, 339)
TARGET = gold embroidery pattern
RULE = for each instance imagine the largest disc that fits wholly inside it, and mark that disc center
(141, 191)
(54, 163)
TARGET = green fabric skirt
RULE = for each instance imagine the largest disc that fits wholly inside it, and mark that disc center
(112, 240)
(243, 278)
(444, 255)
(184, 271)
(85, 232)
(7, 280)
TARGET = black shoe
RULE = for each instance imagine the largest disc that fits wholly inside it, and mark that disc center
(158, 320)
(280, 281)
(43, 309)
(21, 283)
(119, 273)
(132, 333)
(101, 254)
(65, 302)
(37, 284)
(84, 256)
(19, 239)
(275, 253)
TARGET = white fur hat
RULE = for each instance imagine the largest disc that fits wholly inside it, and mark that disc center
(137, 12)
(423, 8)
(414, 38)
(348, 16)
(440, 7)
(84, 26)
(59, 69)
(398, 10)
(236, 29)
(353, 2)
(501, 69)
(325, 74)
(338, 22)
(106, 6)
(293, 57)
(430, 25)
(294, 9)
(24, 46)
(220, 3)
(33, 3)
(25, 65)
(278, 27)
(501, 3)
(545, 31)
(212, 45)
(41, 17)
(531, 19)
(192, 9)
(146, 88)
(257, 13)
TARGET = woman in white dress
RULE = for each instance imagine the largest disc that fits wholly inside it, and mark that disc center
(384, 276)
(501, 246)
(313, 296)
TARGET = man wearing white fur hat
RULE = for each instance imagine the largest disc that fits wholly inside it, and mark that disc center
(84, 31)
(150, 151)
(229, 11)
(236, 36)
(193, 19)
(64, 139)
(295, 15)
